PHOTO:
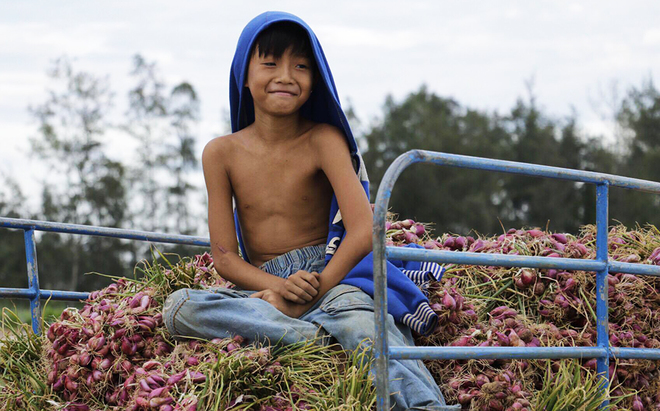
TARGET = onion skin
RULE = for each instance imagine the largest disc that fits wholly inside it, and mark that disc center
(448, 301)
(561, 238)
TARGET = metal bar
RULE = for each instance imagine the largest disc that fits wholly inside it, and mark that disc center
(602, 326)
(103, 231)
(506, 260)
(25, 293)
(64, 295)
(381, 353)
(33, 279)
(535, 170)
(472, 353)
(43, 294)
(469, 353)
(634, 268)
(635, 353)
(503, 260)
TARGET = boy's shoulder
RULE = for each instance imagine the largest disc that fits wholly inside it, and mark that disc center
(321, 136)
(223, 142)
(221, 146)
(326, 136)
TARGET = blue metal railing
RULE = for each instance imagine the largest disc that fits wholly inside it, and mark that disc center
(601, 265)
(36, 294)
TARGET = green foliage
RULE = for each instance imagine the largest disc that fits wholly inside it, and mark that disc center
(153, 190)
(162, 126)
(571, 388)
(86, 186)
(461, 200)
(639, 117)
(22, 367)
(456, 199)
(12, 250)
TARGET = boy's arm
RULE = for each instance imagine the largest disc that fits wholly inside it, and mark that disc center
(224, 244)
(335, 161)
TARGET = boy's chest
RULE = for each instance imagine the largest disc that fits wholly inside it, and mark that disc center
(274, 184)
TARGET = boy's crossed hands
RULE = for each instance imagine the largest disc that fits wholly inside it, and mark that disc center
(300, 287)
(297, 290)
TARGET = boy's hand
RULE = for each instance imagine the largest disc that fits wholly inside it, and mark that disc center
(300, 287)
(293, 310)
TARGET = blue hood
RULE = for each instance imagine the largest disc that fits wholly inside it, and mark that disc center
(323, 106)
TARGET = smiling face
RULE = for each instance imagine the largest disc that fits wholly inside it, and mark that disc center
(279, 86)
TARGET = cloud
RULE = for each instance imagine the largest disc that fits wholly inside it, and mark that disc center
(576, 8)
(18, 84)
(344, 36)
(78, 39)
(652, 37)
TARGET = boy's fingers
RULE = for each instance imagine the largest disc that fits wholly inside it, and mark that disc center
(314, 280)
(258, 294)
(294, 298)
(296, 293)
(306, 288)
(311, 279)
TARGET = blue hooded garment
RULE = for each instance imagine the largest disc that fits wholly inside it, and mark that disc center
(406, 301)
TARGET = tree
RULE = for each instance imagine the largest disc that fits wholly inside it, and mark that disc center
(639, 116)
(539, 201)
(163, 126)
(184, 113)
(147, 124)
(85, 186)
(13, 268)
(457, 200)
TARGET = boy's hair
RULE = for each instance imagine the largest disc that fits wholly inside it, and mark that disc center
(280, 36)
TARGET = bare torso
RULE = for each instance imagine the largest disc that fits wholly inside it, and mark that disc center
(282, 195)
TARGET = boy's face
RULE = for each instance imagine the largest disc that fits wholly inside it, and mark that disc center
(279, 86)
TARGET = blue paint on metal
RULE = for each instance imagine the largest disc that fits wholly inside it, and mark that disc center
(33, 279)
(103, 231)
(602, 326)
(380, 302)
(502, 260)
(43, 294)
(35, 294)
(63, 295)
(601, 265)
(17, 293)
(645, 269)
(535, 170)
(636, 353)
(468, 353)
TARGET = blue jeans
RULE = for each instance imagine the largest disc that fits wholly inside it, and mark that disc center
(345, 312)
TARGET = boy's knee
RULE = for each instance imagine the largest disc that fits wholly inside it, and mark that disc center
(172, 305)
(173, 298)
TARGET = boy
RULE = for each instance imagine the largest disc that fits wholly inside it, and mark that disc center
(290, 163)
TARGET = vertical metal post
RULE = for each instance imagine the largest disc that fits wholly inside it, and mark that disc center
(381, 353)
(602, 322)
(33, 280)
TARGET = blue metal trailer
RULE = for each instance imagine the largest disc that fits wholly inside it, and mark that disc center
(383, 352)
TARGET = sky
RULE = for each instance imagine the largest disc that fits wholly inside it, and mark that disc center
(482, 54)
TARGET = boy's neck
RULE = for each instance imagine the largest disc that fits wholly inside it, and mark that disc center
(273, 130)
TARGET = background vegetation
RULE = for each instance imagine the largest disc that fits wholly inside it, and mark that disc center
(151, 189)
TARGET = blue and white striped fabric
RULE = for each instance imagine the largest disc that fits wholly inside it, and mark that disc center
(427, 272)
(406, 302)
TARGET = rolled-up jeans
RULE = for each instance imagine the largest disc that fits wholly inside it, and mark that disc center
(345, 312)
